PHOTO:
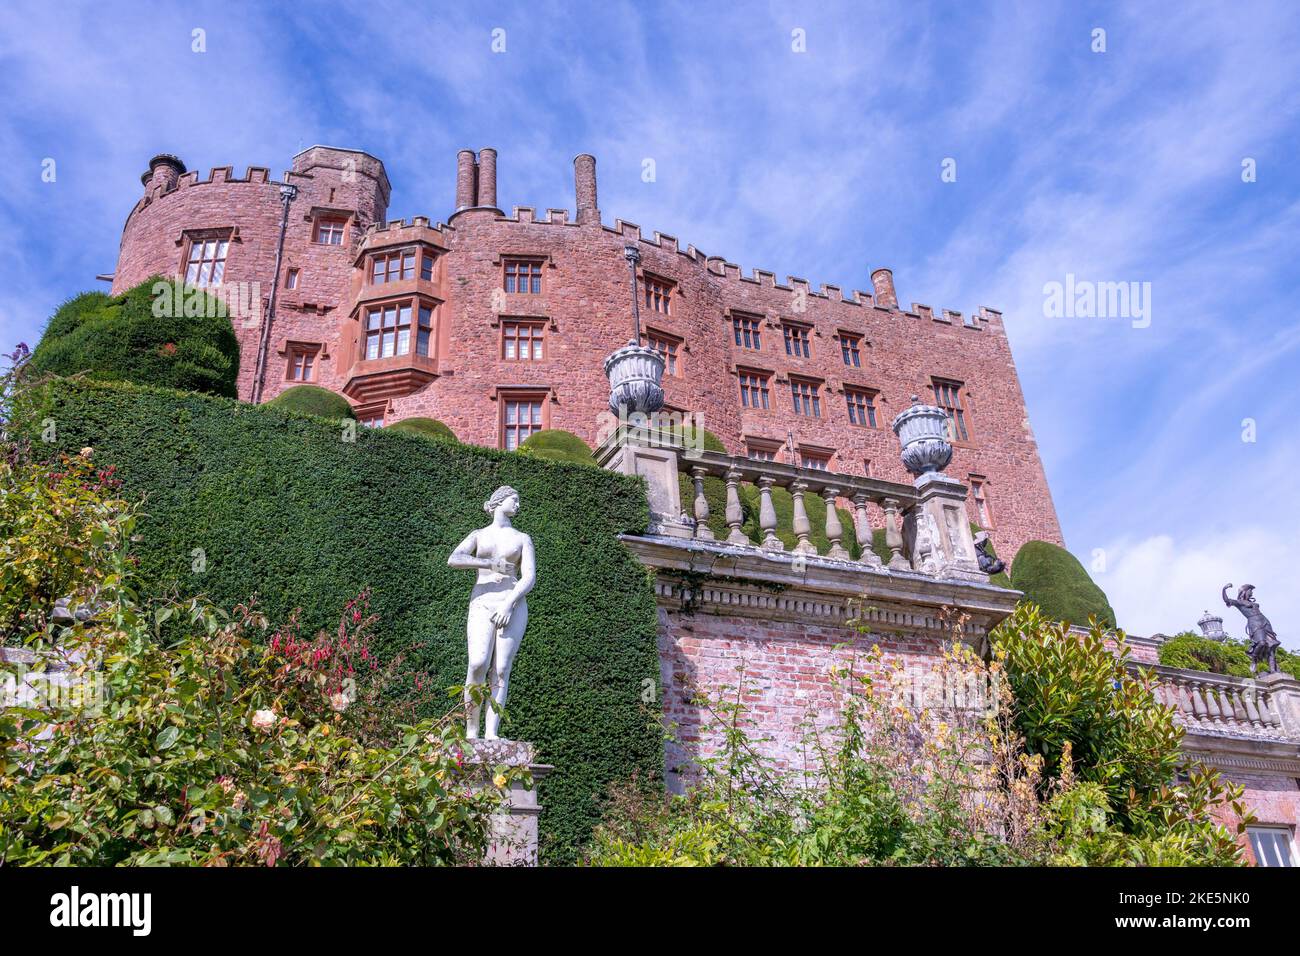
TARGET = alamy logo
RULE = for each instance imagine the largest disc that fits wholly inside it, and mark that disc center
(1084, 299)
(103, 909)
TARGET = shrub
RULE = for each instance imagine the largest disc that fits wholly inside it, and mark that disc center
(428, 427)
(1199, 653)
(242, 500)
(558, 445)
(190, 346)
(313, 400)
(1079, 707)
(1053, 579)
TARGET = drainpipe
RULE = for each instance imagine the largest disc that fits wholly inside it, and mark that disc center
(633, 256)
(287, 194)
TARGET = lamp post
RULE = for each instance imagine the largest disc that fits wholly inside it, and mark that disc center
(635, 371)
(633, 256)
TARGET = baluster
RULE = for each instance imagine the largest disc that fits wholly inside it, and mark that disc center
(1249, 695)
(735, 513)
(1238, 705)
(1267, 712)
(802, 526)
(893, 537)
(1212, 703)
(767, 515)
(702, 529)
(1199, 710)
(834, 527)
(862, 528)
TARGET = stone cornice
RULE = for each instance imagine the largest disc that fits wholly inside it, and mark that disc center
(713, 577)
(1241, 753)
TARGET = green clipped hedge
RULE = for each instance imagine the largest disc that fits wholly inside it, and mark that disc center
(428, 427)
(314, 400)
(1053, 578)
(558, 445)
(283, 507)
(189, 345)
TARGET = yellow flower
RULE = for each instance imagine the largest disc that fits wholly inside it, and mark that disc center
(499, 780)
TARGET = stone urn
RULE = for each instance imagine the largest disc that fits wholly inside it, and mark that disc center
(636, 374)
(922, 430)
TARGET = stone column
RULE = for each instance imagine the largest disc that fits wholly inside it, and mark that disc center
(862, 528)
(802, 526)
(767, 515)
(702, 529)
(894, 536)
(944, 500)
(735, 513)
(512, 838)
(834, 528)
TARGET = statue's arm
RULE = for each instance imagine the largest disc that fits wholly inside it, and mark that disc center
(527, 570)
(463, 556)
(1231, 602)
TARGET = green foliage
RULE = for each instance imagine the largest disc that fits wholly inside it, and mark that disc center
(242, 500)
(1053, 578)
(1080, 709)
(558, 445)
(313, 400)
(180, 338)
(211, 749)
(428, 427)
(55, 538)
(783, 504)
(1199, 653)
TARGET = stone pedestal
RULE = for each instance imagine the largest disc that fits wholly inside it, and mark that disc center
(943, 505)
(513, 837)
(657, 463)
(1284, 691)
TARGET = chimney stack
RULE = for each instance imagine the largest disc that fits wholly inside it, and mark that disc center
(883, 282)
(164, 172)
(584, 185)
(466, 179)
(487, 177)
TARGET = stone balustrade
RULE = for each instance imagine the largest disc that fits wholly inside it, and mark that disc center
(1233, 706)
(809, 488)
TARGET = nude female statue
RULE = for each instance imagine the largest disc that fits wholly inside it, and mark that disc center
(1263, 640)
(498, 609)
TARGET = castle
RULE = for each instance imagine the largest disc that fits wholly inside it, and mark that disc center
(497, 325)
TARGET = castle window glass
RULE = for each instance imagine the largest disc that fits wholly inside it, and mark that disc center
(291, 279)
(817, 460)
(1272, 846)
(947, 395)
(746, 328)
(807, 400)
(849, 349)
(392, 267)
(796, 341)
(762, 450)
(206, 262)
(658, 294)
(862, 407)
(753, 390)
(424, 331)
(388, 330)
(523, 276)
(329, 231)
(522, 341)
(521, 416)
(426, 267)
(302, 364)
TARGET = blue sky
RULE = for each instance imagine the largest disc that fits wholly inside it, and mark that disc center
(1120, 166)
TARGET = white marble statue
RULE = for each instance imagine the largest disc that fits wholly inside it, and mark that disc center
(498, 608)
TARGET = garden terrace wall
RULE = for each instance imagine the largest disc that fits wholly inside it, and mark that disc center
(280, 505)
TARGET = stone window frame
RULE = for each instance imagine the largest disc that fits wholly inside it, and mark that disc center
(851, 347)
(657, 290)
(942, 387)
(819, 453)
(674, 359)
(811, 400)
(739, 318)
(979, 496)
(366, 413)
(310, 352)
(291, 277)
(323, 218)
(1273, 829)
(763, 383)
(517, 259)
(539, 326)
(765, 446)
(505, 395)
(799, 333)
(225, 236)
(873, 411)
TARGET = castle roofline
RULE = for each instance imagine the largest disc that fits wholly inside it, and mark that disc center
(349, 149)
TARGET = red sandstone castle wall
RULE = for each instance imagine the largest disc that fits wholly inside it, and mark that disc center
(586, 300)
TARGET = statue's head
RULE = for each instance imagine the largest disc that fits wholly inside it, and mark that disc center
(505, 498)
(1246, 593)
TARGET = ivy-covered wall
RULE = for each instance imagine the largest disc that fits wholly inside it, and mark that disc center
(280, 505)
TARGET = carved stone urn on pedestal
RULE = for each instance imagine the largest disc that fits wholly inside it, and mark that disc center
(636, 374)
(922, 430)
